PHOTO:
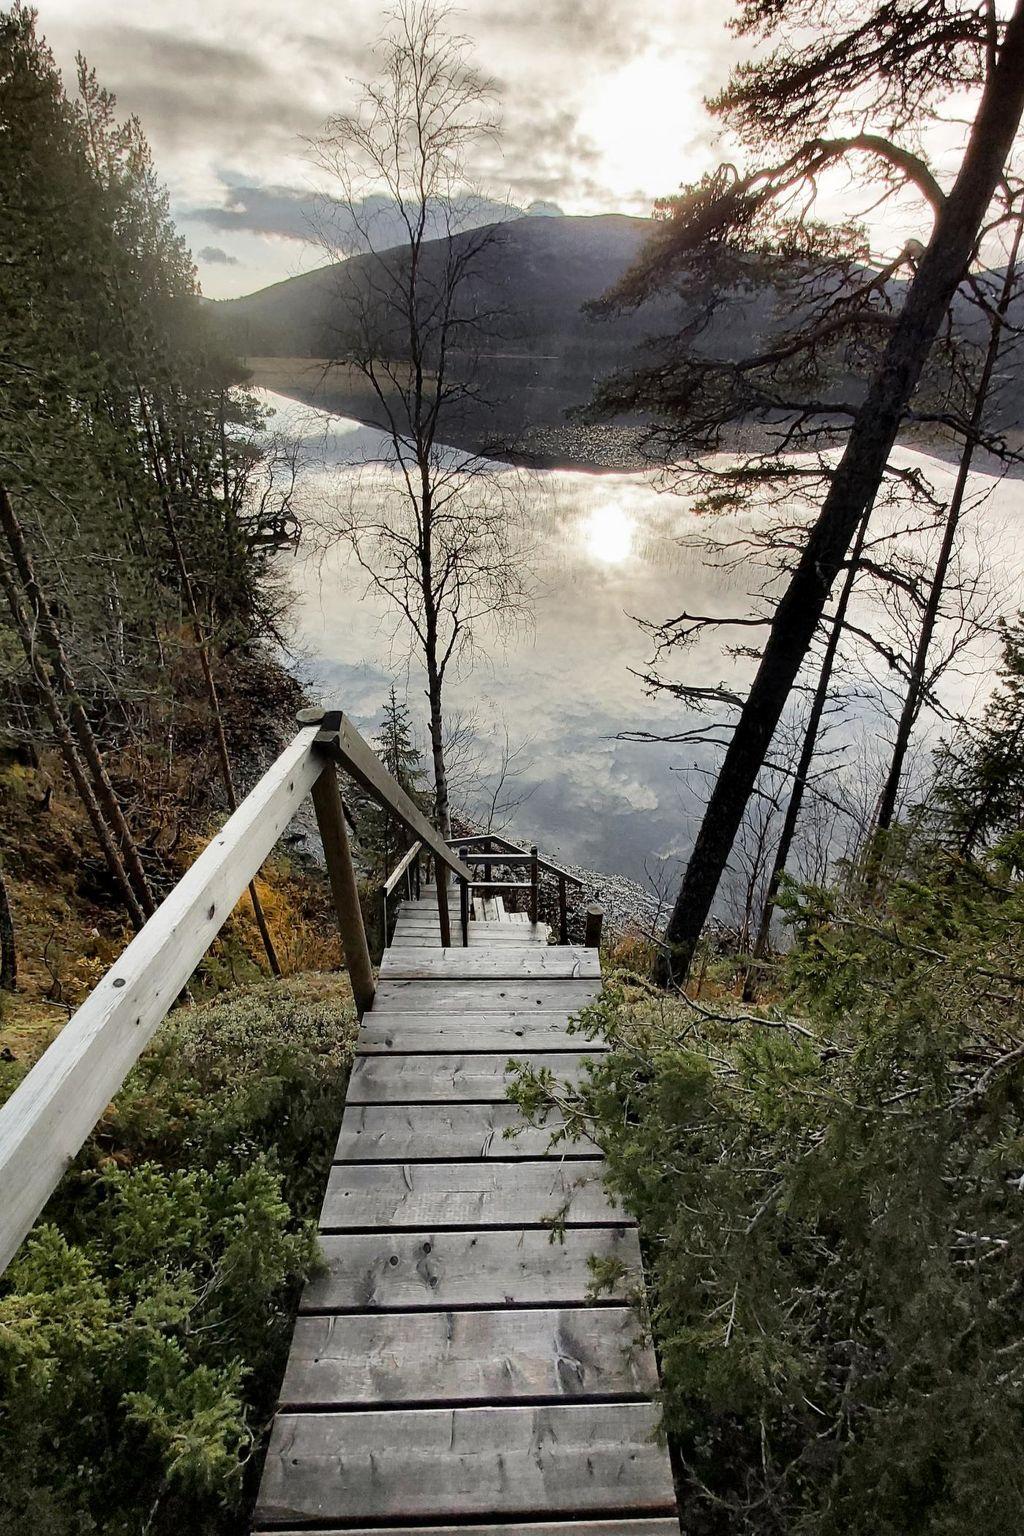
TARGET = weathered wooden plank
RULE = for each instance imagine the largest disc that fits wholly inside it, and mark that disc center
(508, 1355)
(448, 1078)
(51, 1112)
(483, 996)
(492, 963)
(435, 1132)
(396, 1270)
(472, 1032)
(432, 1462)
(414, 947)
(481, 935)
(361, 1196)
(634, 1526)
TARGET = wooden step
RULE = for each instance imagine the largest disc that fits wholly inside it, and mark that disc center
(408, 1464)
(409, 1133)
(448, 1077)
(399, 995)
(361, 1196)
(450, 1365)
(508, 1355)
(634, 1526)
(371, 1271)
(536, 961)
(461, 1032)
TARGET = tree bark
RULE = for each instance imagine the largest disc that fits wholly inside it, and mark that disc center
(915, 685)
(8, 952)
(220, 740)
(45, 625)
(66, 742)
(803, 766)
(853, 487)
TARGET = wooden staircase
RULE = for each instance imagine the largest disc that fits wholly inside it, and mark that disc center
(449, 1371)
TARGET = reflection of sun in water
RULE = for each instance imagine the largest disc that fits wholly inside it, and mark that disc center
(608, 533)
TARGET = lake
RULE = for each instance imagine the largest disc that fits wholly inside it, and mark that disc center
(607, 549)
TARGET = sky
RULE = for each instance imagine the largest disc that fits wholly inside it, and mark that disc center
(601, 109)
(600, 104)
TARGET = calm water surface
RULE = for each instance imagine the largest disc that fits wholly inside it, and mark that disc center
(605, 550)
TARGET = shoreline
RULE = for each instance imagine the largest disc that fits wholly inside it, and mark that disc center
(564, 446)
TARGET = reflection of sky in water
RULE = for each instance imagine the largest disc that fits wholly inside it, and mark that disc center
(605, 551)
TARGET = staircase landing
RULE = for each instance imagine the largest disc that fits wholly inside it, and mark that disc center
(449, 1371)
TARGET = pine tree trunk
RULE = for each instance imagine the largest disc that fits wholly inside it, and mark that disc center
(853, 488)
(8, 952)
(803, 766)
(45, 625)
(220, 740)
(66, 742)
(915, 687)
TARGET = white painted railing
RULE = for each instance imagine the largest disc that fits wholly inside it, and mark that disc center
(53, 1110)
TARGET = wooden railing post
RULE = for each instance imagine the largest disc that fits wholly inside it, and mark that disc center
(341, 872)
(441, 881)
(592, 933)
(563, 911)
(464, 899)
(534, 881)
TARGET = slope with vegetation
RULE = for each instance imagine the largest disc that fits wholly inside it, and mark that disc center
(830, 1189)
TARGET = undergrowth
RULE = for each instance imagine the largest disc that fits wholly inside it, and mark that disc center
(144, 1324)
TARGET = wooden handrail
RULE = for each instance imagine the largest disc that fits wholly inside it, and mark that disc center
(56, 1105)
(338, 737)
(400, 868)
(54, 1108)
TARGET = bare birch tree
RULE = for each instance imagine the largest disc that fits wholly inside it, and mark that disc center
(435, 532)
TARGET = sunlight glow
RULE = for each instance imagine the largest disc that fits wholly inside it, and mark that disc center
(608, 532)
(646, 121)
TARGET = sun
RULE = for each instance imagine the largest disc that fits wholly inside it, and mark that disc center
(608, 533)
(644, 121)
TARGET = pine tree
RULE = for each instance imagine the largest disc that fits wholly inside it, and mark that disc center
(983, 788)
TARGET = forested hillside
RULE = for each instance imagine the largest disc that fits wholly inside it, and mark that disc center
(138, 516)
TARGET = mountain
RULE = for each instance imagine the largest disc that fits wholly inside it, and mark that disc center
(538, 272)
(541, 359)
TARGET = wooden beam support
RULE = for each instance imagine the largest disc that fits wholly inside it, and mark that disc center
(330, 819)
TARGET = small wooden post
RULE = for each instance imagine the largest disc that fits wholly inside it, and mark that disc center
(563, 911)
(441, 881)
(464, 910)
(595, 917)
(534, 878)
(341, 872)
(487, 865)
(464, 896)
(416, 875)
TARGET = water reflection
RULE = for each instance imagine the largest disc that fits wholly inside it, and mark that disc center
(606, 548)
(608, 533)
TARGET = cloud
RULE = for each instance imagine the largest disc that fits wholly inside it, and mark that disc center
(216, 256)
(188, 88)
(585, 29)
(298, 213)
